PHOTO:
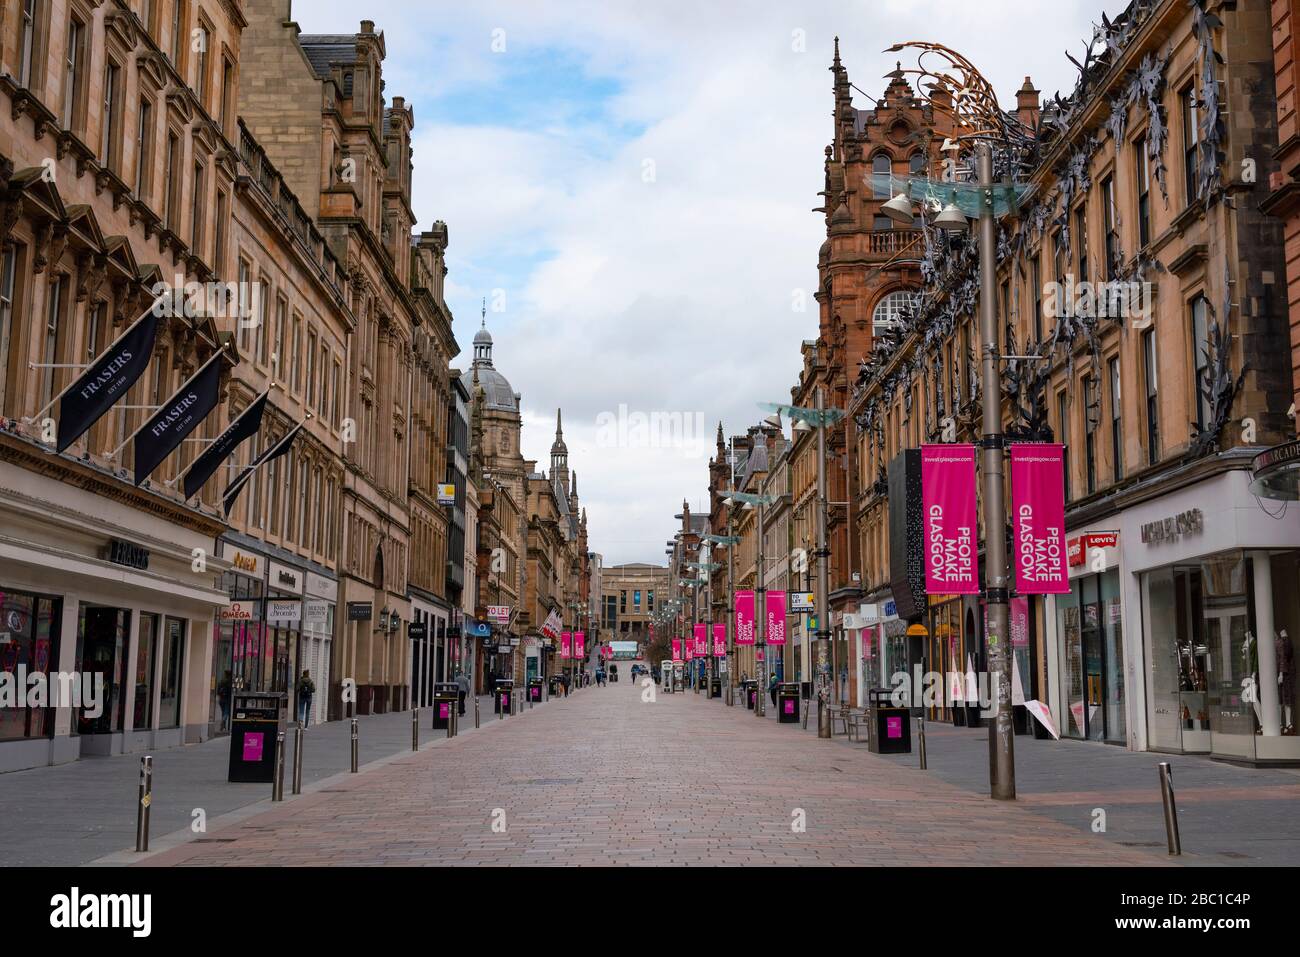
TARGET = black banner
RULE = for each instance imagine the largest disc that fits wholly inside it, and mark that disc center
(247, 424)
(178, 417)
(106, 380)
(274, 452)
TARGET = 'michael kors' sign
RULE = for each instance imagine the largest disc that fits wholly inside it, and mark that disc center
(1174, 527)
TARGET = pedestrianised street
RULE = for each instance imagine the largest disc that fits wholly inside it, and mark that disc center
(835, 434)
(607, 777)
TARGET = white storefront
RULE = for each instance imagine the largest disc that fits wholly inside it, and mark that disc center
(320, 600)
(93, 586)
(1203, 591)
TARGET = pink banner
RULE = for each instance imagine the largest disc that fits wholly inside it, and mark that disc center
(677, 649)
(719, 640)
(580, 645)
(701, 639)
(566, 648)
(1038, 519)
(775, 617)
(948, 502)
(744, 617)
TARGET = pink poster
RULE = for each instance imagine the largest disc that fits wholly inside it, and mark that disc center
(775, 601)
(1038, 519)
(677, 649)
(566, 645)
(744, 617)
(253, 744)
(948, 502)
(719, 640)
(580, 645)
(701, 647)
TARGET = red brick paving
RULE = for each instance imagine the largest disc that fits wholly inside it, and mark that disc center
(603, 778)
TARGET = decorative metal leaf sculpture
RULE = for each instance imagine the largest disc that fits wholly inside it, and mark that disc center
(1216, 385)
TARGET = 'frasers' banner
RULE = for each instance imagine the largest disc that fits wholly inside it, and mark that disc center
(948, 502)
(744, 617)
(566, 645)
(580, 645)
(1038, 514)
(677, 649)
(776, 618)
(719, 640)
(701, 640)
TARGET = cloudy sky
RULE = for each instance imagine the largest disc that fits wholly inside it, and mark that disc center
(629, 185)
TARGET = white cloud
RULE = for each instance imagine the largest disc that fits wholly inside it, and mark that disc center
(673, 294)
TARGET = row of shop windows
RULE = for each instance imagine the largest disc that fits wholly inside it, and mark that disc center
(30, 627)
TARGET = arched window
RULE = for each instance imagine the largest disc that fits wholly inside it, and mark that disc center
(916, 164)
(891, 310)
(881, 164)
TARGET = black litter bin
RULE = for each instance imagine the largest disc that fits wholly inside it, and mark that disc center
(715, 688)
(256, 717)
(889, 727)
(501, 696)
(554, 685)
(535, 689)
(787, 702)
(446, 700)
(751, 692)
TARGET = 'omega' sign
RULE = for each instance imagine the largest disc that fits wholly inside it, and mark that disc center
(1169, 529)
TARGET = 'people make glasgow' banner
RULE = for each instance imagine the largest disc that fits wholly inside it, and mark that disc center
(106, 380)
(775, 601)
(948, 507)
(744, 617)
(719, 640)
(1038, 518)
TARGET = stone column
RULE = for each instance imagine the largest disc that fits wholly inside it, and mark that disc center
(1270, 714)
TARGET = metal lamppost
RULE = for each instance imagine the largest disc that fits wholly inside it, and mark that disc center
(978, 119)
(728, 542)
(705, 571)
(819, 418)
(749, 501)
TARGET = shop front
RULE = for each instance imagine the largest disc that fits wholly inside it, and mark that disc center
(1217, 579)
(105, 610)
(1090, 652)
(427, 631)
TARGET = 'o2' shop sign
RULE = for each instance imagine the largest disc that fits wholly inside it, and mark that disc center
(948, 506)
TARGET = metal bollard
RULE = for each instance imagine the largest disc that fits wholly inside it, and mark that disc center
(355, 745)
(298, 736)
(415, 729)
(1171, 808)
(807, 706)
(452, 720)
(142, 807)
(277, 783)
(920, 737)
(476, 712)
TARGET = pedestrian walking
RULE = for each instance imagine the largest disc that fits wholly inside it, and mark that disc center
(306, 688)
(772, 683)
(223, 698)
(462, 683)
